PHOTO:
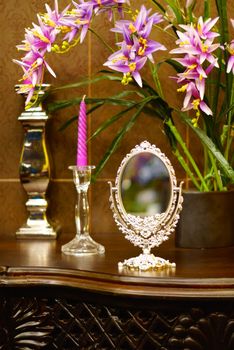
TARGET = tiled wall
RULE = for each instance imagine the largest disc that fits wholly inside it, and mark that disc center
(82, 61)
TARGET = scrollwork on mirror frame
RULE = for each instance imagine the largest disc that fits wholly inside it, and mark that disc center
(146, 232)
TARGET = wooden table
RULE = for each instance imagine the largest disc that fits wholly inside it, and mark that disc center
(53, 301)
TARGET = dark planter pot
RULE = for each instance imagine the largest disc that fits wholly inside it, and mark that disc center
(206, 220)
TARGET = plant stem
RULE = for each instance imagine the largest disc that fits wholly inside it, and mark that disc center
(206, 159)
(154, 71)
(228, 145)
(215, 93)
(229, 124)
(206, 9)
(186, 168)
(218, 181)
(187, 153)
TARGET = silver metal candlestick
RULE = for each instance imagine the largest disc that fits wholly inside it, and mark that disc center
(82, 244)
(34, 171)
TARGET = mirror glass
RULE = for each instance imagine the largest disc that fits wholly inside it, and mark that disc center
(145, 185)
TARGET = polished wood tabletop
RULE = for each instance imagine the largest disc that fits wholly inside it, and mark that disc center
(199, 273)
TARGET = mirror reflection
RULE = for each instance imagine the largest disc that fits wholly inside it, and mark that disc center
(145, 185)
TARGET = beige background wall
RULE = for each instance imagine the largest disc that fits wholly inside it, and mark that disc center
(80, 62)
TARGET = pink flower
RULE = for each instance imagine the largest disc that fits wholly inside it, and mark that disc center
(136, 47)
(77, 20)
(33, 65)
(127, 62)
(204, 28)
(230, 48)
(52, 17)
(196, 43)
(230, 65)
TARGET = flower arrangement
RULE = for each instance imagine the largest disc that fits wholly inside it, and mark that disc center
(203, 59)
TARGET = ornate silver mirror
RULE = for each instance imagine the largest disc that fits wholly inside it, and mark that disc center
(146, 203)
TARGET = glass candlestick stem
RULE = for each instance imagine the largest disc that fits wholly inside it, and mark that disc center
(82, 244)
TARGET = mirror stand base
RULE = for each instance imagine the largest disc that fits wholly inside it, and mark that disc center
(145, 262)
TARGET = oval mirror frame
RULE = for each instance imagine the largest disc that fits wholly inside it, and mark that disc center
(165, 167)
(146, 232)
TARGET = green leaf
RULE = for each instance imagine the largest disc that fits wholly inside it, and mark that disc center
(118, 139)
(54, 106)
(208, 143)
(174, 6)
(112, 120)
(89, 81)
(206, 9)
(119, 115)
(68, 122)
(161, 8)
(74, 118)
(224, 38)
(74, 101)
(154, 71)
(223, 19)
(176, 9)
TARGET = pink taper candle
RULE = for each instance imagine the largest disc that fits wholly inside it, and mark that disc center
(81, 159)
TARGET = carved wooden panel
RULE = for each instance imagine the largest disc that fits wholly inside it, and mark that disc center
(39, 323)
(25, 323)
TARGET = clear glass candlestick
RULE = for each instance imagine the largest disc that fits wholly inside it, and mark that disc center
(82, 244)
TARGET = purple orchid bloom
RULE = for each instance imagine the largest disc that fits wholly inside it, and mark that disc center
(42, 36)
(129, 67)
(194, 94)
(35, 59)
(191, 94)
(28, 87)
(31, 77)
(204, 28)
(33, 65)
(230, 48)
(106, 5)
(230, 65)
(196, 43)
(78, 19)
(126, 61)
(195, 72)
(136, 47)
(52, 17)
(144, 23)
(45, 34)
(142, 26)
(192, 99)
(191, 43)
(136, 33)
(145, 47)
(39, 38)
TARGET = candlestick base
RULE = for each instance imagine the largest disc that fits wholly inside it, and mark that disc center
(82, 244)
